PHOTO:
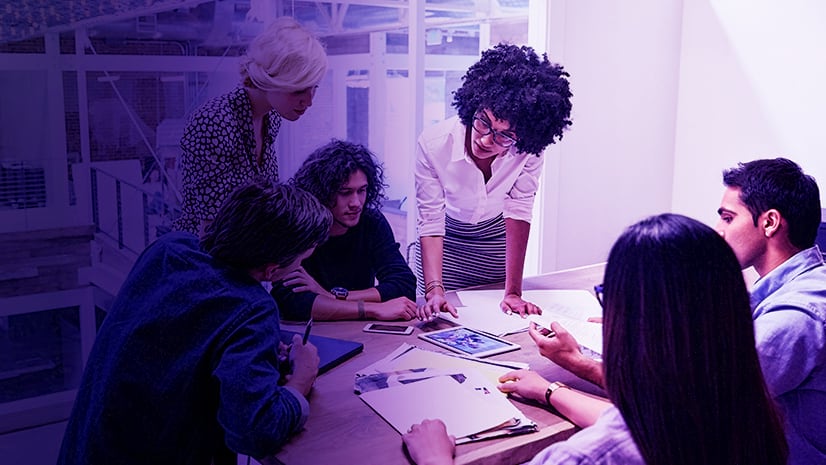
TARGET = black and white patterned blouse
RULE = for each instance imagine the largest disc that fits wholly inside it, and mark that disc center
(219, 155)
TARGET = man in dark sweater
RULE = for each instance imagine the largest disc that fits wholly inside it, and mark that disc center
(339, 280)
(187, 361)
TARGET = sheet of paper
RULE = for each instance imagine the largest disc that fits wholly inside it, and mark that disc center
(480, 310)
(464, 410)
(576, 304)
(571, 308)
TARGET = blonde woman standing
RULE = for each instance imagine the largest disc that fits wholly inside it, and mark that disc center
(230, 140)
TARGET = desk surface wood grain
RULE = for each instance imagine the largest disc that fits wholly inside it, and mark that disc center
(342, 429)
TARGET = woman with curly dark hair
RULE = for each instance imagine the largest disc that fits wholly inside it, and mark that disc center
(339, 280)
(477, 175)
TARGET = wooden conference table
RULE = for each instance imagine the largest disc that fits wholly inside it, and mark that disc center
(342, 429)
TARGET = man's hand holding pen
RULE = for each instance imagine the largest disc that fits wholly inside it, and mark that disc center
(299, 362)
(556, 344)
(560, 347)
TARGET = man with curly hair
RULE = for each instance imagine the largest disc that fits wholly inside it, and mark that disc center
(477, 175)
(338, 282)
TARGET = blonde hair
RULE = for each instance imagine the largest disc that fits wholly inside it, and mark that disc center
(285, 57)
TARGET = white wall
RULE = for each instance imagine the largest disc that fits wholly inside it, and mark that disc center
(615, 165)
(666, 96)
(751, 86)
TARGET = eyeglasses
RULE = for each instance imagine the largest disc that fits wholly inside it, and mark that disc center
(483, 128)
(598, 291)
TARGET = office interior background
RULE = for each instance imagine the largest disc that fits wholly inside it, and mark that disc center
(94, 98)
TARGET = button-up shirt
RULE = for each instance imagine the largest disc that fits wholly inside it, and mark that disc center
(219, 155)
(608, 441)
(448, 182)
(790, 330)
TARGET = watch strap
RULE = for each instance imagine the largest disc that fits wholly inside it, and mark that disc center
(552, 388)
(340, 293)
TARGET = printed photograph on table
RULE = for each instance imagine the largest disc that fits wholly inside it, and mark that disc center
(469, 341)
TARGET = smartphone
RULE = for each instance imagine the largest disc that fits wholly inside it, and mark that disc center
(388, 329)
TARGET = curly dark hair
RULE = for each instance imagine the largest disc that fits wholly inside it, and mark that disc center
(330, 166)
(530, 93)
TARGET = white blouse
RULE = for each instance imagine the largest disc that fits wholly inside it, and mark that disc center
(448, 182)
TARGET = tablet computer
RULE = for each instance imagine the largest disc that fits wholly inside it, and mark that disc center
(467, 341)
(331, 351)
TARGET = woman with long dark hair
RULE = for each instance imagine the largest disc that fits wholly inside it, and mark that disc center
(681, 368)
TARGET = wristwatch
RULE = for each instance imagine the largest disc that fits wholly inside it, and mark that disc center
(340, 293)
(553, 387)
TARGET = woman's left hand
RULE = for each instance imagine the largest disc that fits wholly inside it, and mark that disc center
(524, 383)
(435, 304)
(513, 303)
(428, 443)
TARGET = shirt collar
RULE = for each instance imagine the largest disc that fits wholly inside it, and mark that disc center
(459, 133)
(796, 265)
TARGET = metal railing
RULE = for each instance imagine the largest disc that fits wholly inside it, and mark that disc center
(151, 204)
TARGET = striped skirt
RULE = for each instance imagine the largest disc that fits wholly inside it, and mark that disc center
(473, 255)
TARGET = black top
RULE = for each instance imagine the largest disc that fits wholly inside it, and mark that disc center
(354, 261)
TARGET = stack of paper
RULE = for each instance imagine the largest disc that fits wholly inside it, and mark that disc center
(571, 308)
(460, 392)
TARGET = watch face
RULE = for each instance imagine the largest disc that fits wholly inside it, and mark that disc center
(340, 293)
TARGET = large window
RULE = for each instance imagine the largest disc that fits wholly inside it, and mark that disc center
(117, 93)
(93, 113)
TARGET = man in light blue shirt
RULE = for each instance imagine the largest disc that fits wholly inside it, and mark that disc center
(769, 215)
